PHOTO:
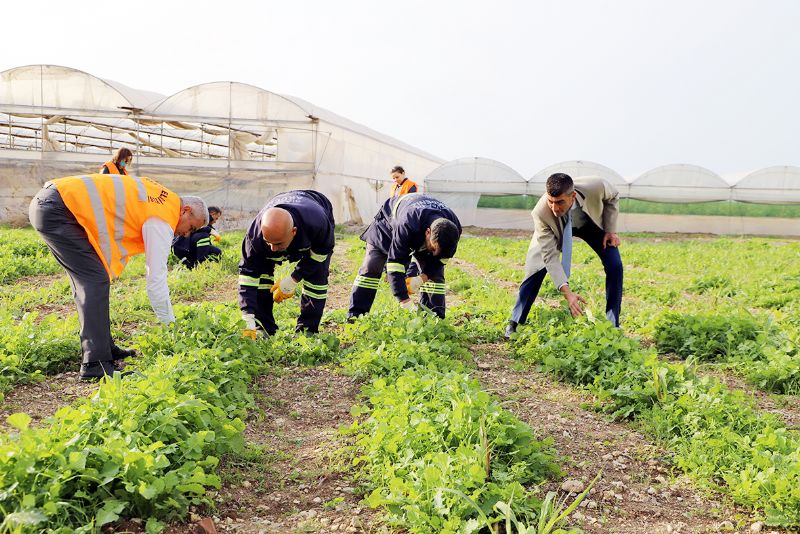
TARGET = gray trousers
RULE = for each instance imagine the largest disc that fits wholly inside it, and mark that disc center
(70, 245)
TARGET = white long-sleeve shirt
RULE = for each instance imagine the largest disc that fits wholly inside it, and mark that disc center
(157, 236)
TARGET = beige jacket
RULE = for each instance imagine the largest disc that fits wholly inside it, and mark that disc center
(596, 197)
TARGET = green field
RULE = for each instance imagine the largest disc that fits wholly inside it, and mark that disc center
(699, 390)
(723, 208)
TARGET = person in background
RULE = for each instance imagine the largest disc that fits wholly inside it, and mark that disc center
(413, 225)
(401, 185)
(294, 226)
(197, 248)
(93, 225)
(119, 163)
(587, 208)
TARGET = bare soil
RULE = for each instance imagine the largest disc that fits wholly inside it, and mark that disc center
(301, 480)
(638, 491)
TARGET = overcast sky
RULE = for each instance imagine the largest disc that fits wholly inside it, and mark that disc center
(631, 84)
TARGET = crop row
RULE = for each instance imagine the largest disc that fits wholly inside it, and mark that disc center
(761, 345)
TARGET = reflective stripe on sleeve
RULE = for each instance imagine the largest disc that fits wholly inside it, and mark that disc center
(318, 257)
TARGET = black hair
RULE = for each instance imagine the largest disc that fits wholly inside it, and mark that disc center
(214, 209)
(559, 184)
(398, 168)
(445, 234)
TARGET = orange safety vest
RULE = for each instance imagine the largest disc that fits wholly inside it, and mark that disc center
(112, 168)
(404, 188)
(112, 210)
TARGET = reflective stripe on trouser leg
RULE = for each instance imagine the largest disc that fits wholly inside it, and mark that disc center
(366, 283)
(313, 298)
(431, 294)
(255, 297)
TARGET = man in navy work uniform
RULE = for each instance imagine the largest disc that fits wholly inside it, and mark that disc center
(197, 248)
(410, 225)
(294, 226)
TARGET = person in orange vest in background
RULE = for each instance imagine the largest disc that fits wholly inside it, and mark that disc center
(93, 225)
(119, 163)
(401, 185)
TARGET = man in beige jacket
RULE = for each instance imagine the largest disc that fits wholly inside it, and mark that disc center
(586, 208)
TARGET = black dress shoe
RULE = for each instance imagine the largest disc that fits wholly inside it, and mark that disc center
(510, 329)
(118, 353)
(97, 370)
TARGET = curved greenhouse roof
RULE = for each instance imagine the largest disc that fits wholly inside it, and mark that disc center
(680, 183)
(575, 169)
(475, 174)
(773, 185)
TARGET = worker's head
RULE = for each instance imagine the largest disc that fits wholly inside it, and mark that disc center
(122, 157)
(398, 174)
(560, 193)
(278, 229)
(194, 215)
(441, 239)
(214, 213)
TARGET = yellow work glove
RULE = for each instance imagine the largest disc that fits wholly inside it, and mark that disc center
(413, 284)
(284, 289)
(250, 330)
(252, 334)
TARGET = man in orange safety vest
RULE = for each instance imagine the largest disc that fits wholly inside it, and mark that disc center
(93, 225)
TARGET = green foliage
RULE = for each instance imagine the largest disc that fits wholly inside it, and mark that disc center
(716, 434)
(23, 253)
(29, 350)
(432, 432)
(143, 446)
(708, 336)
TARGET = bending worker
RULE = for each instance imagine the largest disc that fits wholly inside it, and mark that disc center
(93, 225)
(410, 225)
(586, 208)
(119, 163)
(197, 248)
(293, 226)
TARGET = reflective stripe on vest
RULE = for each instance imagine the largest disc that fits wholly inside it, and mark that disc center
(404, 188)
(400, 200)
(112, 168)
(112, 209)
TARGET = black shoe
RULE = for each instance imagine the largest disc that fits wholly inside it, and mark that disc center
(510, 329)
(118, 353)
(96, 370)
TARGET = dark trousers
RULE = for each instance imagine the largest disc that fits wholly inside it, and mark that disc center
(612, 264)
(68, 242)
(369, 274)
(313, 297)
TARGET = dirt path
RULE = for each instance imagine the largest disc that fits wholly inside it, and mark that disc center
(295, 478)
(43, 399)
(638, 492)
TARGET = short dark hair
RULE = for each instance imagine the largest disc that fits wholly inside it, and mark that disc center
(446, 235)
(398, 168)
(559, 184)
(214, 209)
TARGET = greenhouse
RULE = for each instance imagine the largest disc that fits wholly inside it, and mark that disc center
(237, 145)
(234, 144)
